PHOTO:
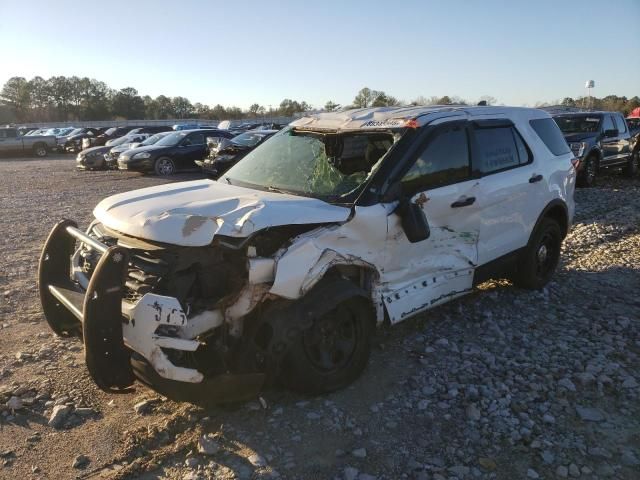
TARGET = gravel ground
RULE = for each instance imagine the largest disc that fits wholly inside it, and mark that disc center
(503, 384)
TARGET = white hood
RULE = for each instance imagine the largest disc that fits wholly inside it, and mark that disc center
(192, 213)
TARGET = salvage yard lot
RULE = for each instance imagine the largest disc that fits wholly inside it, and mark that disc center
(503, 383)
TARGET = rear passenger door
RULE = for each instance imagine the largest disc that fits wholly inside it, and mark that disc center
(512, 188)
(624, 138)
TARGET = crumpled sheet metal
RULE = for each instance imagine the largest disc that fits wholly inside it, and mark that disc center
(192, 213)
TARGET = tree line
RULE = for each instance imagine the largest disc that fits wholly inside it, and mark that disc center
(73, 98)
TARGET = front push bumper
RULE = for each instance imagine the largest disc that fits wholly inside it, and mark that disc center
(117, 333)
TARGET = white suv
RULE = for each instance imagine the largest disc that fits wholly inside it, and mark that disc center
(205, 290)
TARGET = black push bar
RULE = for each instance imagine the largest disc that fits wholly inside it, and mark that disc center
(95, 315)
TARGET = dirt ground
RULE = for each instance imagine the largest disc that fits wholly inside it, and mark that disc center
(502, 383)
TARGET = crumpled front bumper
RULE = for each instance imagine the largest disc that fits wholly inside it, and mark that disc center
(114, 329)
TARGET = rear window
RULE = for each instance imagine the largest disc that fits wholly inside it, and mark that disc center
(548, 131)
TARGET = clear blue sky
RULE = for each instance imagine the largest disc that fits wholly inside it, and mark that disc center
(238, 53)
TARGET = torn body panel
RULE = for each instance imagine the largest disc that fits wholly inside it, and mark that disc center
(408, 278)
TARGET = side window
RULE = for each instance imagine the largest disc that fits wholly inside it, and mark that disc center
(550, 134)
(499, 149)
(197, 139)
(10, 133)
(444, 160)
(622, 127)
(607, 124)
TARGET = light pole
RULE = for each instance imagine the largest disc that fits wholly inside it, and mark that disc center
(589, 85)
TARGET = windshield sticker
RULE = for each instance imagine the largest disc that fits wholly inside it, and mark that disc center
(591, 119)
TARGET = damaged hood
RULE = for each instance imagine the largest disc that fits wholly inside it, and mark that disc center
(192, 213)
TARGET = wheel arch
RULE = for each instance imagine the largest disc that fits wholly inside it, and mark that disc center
(556, 210)
(596, 153)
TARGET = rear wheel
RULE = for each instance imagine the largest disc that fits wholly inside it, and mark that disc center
(164, 166)
(333, 352)
(40, 150)
(587, 177)
(541, 256)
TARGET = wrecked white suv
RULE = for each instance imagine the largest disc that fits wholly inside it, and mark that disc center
(280, 270)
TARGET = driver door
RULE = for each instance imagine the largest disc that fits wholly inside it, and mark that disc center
(423, 274)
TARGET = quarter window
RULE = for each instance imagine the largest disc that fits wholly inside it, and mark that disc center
(444, 160)
(551, 135)
(499, 149)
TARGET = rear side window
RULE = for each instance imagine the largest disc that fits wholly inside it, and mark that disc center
(499, 149)
(195, 139)
(622, 127)
(548, 131)
(608, 123)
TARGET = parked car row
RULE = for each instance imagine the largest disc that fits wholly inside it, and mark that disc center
(600, 140)
(212, 149)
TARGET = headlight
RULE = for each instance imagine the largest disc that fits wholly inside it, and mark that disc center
(142, 155)
(578, 148)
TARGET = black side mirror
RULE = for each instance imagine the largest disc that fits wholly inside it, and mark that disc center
(613, 132)
(414, 221)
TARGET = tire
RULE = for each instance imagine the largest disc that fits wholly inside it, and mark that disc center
(587, 177)
(333, 352)
(631, 168)
(40, 150)
(541, 256)
(164, 166)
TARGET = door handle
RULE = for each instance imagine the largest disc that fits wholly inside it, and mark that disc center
(535, 178)
(465, 202)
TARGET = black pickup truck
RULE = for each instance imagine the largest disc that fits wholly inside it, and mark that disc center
(600, 140)
(11, 142)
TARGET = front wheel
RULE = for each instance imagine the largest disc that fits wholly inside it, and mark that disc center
(164, 166)
(631, 168)
(541, 256)
(587, 177)
(333, 352)
(40, 150)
